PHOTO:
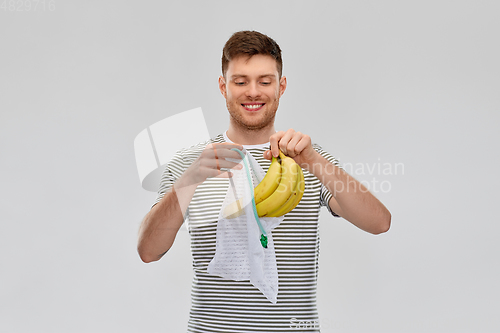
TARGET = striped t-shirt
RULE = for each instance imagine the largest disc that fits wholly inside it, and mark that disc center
(220, 305)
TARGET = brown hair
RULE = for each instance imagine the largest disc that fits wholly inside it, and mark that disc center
(250, 43)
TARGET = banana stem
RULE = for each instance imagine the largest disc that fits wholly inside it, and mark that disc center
(263, 236)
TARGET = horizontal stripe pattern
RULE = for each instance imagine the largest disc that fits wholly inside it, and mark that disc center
(220, 305)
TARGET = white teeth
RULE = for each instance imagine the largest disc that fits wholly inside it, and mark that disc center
(255, 106)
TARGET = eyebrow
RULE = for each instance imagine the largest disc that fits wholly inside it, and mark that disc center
(235, 76)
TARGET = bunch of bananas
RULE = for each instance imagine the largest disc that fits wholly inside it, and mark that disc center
(278, 193)
(281, 189)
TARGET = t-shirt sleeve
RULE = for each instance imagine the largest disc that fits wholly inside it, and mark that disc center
(173, 170)
(325, 194)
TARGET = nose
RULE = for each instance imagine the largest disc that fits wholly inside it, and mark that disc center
(253, 90)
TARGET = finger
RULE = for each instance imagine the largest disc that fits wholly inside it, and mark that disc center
(213, 173)
(216, 158)
(225, 165)
(273, 141)
(226, 151)
(304, 142)
(218, 164)
(291, 148)
(268, 155)
(228, 145)
(224, 145)
(218, 155)
(283, 143)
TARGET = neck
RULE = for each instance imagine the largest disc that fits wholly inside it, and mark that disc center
(245, 136)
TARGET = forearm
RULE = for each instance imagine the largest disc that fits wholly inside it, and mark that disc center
(354, 200)
(160, 226)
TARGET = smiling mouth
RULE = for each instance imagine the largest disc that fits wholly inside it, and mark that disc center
(253, 106)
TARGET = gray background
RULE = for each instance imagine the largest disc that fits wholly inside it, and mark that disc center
(374, 82)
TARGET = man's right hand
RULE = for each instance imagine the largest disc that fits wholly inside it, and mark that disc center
(159, 227)
(210, 162)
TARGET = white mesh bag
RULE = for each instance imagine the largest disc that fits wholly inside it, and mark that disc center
(240, 249)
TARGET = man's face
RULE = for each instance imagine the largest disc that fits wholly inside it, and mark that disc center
(252, 89)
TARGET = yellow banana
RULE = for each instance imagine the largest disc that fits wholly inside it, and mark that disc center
(284, 190)
(294, 198)
(269, 183)
(278, 193)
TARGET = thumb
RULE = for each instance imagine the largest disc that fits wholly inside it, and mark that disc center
(268, 155)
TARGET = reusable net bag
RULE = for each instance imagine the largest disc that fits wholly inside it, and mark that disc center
(244, 247)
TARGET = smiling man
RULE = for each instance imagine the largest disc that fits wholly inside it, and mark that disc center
(194, 186)
(252, 88)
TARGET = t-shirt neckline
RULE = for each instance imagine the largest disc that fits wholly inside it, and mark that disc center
(261, 145)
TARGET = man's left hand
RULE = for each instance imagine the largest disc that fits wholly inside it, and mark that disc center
(294, 144)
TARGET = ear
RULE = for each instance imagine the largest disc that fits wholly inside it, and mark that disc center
(282, 85)
(222, 86)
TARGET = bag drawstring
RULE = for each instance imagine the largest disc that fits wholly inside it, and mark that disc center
(263, 236)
